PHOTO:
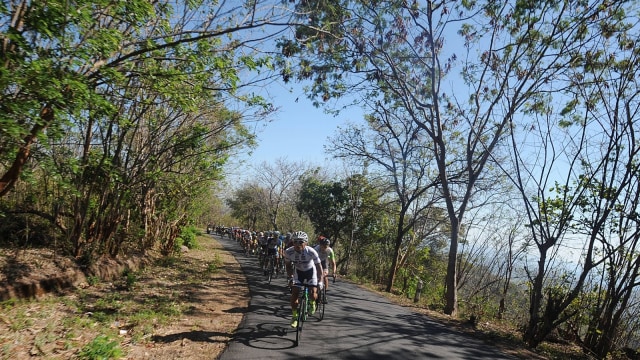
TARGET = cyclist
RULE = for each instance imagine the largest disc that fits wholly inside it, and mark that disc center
(306, 263)
(253, 243)
(273, 248)
(280, 255)
(287, 240)
(246, 241)
(327, 258)
(262, 244)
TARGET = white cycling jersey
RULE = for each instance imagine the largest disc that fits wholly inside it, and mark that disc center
(328, 253)
(303, 260)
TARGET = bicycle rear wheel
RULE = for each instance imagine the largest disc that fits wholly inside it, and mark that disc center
(270, 271)
(276, 268)
(267, 269)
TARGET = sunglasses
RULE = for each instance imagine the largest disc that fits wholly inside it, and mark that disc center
(298, 242)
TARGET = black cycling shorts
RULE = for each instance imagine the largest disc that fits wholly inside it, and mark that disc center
(305, 276)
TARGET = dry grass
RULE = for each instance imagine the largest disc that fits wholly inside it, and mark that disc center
(196, 299)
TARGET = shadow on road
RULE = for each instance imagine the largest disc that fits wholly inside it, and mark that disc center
(358, 324)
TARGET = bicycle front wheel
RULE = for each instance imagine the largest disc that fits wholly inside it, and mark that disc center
(302, 314)
(322, 302)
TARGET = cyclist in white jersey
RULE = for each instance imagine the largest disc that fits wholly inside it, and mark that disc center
(306, 263)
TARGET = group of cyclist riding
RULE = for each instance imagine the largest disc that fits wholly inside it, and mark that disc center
(304, 264)
(308, 265)
(268, 246)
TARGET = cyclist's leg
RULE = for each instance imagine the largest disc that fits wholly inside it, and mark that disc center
(314, 298)
(326, 279)
(324, 296)
(313, 289)
(268, 263)
(315, 282)
(325, 271)
(295, 292)
(322, 291)
(272, 264)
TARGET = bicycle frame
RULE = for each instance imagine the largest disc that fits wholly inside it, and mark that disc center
(303, 309)
(270, 267)
(322, 296)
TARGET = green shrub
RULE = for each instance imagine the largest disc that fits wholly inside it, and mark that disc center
(129, 277)
(102, 347)
(93, 280)
(215, 265)
(188, 237)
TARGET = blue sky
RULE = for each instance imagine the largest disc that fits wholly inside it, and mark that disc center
(298, 131)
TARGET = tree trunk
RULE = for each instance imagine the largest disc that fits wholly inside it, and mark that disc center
(392, 272)
(451, 280)
(535, 302)
(600, 338)
(12, 174)
(396, 250)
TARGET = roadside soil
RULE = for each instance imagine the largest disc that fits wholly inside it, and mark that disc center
(185, 308)
(215, 308)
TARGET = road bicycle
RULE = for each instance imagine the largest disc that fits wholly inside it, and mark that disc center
(322, 297)
(246, 245)
(278, 266)
(262, 255)
(270, 268)
(304, 308)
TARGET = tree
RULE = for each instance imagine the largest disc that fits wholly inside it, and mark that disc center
(585, 153)
(619, 274)
(115, 114)
(490, 257)
(395, 52)
(326, 205)
(368, 213)
(610, 207)
(395, 149)
(513, 53)
(278, 181)
(248, 205)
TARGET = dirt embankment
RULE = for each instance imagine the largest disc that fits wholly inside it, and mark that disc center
(32, 273)
(205, 287)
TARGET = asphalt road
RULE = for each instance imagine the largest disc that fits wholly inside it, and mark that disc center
(358, 324)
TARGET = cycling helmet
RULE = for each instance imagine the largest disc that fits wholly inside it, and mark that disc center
(300, 235)
(325, 241)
